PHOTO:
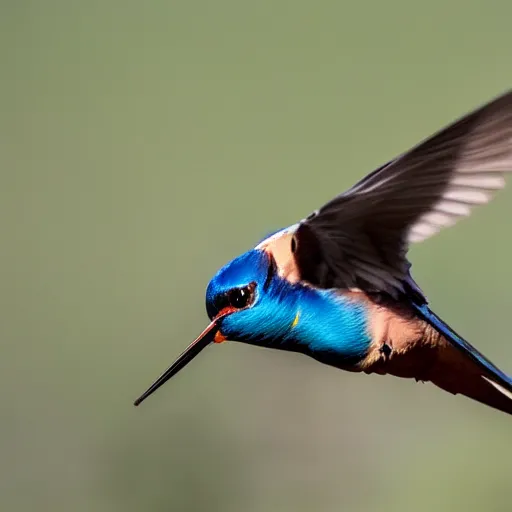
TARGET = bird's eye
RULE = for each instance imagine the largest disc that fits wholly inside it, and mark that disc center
(240, 297)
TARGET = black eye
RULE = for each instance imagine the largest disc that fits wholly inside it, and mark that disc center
(240, 297)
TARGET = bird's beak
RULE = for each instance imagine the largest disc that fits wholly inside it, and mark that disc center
(211, 333)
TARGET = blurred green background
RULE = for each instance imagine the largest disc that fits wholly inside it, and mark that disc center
(144, 144)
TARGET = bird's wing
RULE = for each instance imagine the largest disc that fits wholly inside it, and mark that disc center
(361, 237)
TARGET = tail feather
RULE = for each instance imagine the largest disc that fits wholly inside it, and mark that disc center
(467, 371)
(501, 389)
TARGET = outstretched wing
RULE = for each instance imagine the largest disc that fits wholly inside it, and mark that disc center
(360, 238)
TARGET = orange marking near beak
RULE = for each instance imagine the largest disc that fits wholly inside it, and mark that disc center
(225, 311)
(219, 337)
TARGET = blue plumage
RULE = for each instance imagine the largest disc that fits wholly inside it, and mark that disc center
(290, 316)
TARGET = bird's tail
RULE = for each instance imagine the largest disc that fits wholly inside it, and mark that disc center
(480, 379)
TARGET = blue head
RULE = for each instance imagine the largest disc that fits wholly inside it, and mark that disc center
(235, 286)
(245, 297)
(247, 300)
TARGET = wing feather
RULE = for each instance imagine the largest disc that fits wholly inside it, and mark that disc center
(360, 239)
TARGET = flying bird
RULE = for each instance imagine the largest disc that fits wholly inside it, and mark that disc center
(337, 286)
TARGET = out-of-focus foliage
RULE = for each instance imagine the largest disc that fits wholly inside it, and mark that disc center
(144, 144)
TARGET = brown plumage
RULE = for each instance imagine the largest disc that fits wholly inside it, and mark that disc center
(419, 351)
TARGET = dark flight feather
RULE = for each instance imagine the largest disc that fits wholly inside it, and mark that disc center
(360, 239)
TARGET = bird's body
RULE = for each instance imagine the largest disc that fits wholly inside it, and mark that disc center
(337, 285)
(348, 329)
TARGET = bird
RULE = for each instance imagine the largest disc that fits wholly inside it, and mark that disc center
(337, 285)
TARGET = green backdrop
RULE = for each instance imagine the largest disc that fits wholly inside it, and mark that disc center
(144, 144)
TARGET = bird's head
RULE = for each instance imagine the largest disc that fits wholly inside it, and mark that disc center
(236, 295)
(236, 306)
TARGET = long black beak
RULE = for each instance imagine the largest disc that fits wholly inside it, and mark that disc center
(203, 340)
